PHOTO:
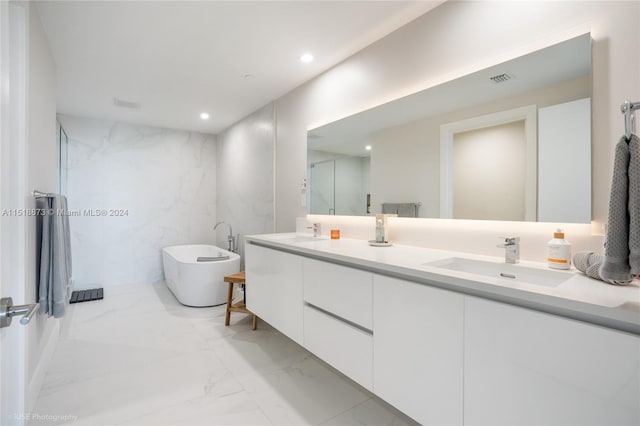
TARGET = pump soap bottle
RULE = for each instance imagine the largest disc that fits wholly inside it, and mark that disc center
(559, 251)
(380, 230)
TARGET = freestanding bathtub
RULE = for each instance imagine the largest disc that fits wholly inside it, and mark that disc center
(198, 283)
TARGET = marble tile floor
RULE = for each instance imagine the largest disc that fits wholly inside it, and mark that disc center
(138, 357)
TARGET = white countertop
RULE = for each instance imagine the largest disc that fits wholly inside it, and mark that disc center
(579, 297)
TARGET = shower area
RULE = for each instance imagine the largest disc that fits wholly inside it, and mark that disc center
(340, 186)
(133, 190)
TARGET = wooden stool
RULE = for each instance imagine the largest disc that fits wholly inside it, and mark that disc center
(238, 306)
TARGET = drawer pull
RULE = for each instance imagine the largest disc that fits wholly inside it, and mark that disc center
(339, 318)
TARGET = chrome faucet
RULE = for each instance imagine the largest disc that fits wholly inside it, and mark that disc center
(231, 240)
(511, 248)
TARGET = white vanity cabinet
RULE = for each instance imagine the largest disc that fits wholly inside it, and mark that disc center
(343, 291)
(444, 357)
(338, 318)
(528, 367)
(417, 350)
(274, 293)
(346, 348)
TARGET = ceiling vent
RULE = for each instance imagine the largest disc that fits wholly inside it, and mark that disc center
(501, 78)
(125, 104)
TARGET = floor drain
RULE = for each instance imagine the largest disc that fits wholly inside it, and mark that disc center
(87, 295)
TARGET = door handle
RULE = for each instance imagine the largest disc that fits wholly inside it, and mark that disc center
(8, 310)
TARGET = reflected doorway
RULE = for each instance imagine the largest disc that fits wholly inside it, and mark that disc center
(489, 173)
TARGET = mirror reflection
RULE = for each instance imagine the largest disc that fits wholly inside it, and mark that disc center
(510, 142)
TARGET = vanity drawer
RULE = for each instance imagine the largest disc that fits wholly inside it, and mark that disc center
(345, 292)
(343, 346)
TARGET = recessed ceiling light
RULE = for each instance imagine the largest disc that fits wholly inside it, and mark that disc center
(306, 58)
(368, 147)
(204, 116)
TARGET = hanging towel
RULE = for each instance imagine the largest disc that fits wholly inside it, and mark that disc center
(634, 204)
(55, 257)
(401, 209)
(622, 242)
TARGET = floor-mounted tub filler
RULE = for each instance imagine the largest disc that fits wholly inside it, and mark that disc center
(194, 273)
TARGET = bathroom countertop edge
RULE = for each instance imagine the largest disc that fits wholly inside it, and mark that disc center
(567, 300)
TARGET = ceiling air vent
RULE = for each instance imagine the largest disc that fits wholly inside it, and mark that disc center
(125, 104)
(500, 78)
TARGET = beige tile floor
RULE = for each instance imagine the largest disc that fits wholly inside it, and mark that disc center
(138, 357)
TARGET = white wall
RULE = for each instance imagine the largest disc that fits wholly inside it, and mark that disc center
(42, 174)
(165, 181)
(453, 40)
(245, 184)
(563, 133)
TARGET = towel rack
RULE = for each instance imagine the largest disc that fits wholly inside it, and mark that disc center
(627, 109)
(402, 209)
(40, 194)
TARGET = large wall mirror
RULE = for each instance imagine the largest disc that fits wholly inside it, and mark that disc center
(510, 142)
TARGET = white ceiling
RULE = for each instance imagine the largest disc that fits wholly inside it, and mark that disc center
(180, 58)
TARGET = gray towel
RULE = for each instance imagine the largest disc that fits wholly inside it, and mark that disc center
(211, 259)
(589, 263)
(634, 205)
(401, 209)
(55, 257)
(622, 243)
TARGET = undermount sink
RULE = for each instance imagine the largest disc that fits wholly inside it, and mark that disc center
(300, 238)
(503, 271)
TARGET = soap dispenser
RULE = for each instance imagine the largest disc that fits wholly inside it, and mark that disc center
(559, 251)
(380, 230)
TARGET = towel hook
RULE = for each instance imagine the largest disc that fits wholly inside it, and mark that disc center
(40, 194)
(627, 109)
(8, 310)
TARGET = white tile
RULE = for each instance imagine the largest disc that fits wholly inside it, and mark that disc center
(266, 351)
(372, 412)
(139, 357)
(231, 409)
(305, 391)
(245, 175)
(164, 178)
(141, 389)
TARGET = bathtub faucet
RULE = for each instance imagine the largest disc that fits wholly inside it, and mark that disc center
(230, 239)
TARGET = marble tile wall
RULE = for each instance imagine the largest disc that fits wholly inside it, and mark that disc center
(163, 180)
(245, 179)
